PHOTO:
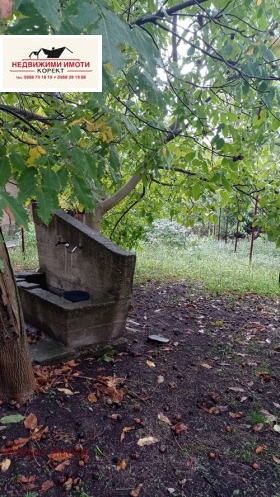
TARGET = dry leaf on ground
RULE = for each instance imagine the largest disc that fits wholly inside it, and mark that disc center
(276, 459)
(31, 422)
(160, 379)
(147, 441)
(92, 398)
(179, 428)
(164, 419)
(137, 490)
(260, 448)
(67, 391)
(60, 456)
(25, 479)
(62, 466)
(236, 415)
(122, 464)
(46, 486)
(125, 430)
(5, 464)
(257, 427)
(150, 363)
(206, 366)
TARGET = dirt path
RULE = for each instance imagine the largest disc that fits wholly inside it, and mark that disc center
(209, 400)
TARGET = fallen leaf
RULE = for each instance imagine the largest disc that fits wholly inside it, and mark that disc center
(46, 486)
(243, 398)
(171, 490)
(68, 484)
(31, 422)
(164, 419)
(66, 391)
(269, 417)
(179, 428)
(17, 444)
(137, 490)
(60, 456)
(125, 430)
(260, 449)
(236, 415)
(213, 410)
(38, 432)
(276, 459)
(257, 427)
(25, 479)
(92, 398)
(276, 405)
(72, 363)
(147, 441)
(62, 466)
(276, 428)
(206, 366)
(13, 418)
(160, 379)
(151, 364)
(122, 464)
(5, 464)
(236, 389)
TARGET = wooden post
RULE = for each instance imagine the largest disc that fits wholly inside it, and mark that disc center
(253, 230)
(236, 236)
(226, 233)
(219, 225)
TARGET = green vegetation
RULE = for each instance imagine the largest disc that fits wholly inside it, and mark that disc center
(28, 260)
(205, 263)
(213, 266)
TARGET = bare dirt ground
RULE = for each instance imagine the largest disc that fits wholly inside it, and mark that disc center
(198, 416)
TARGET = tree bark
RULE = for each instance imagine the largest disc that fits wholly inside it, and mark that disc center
(94, 220)
(16, 374)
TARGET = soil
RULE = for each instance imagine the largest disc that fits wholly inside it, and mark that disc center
(208, 400)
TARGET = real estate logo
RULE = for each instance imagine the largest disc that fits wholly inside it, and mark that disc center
(51, 63)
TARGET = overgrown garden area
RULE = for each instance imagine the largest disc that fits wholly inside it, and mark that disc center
(176, 160)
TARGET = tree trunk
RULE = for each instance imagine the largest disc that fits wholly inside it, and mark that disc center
(16, 374)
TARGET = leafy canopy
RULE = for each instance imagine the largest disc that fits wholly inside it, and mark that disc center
(190, 108)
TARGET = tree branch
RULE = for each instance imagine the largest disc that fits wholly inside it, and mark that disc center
(161, 14)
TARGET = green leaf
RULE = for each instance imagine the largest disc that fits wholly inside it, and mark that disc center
(190, 156)
(12, 418)
(83, 192)
(220, 143)
(275, 124)
(27, 183)
(20, 215)
(17, 162)
(112, 39)
(114, 159)
(88, 14)
(196, 191)
(49, 10)
(5, 171)
(46, 205)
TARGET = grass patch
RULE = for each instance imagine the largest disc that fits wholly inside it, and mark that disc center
(212, 266)
(27, 261)
(208, 265)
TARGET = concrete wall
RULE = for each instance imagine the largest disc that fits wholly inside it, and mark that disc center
(96, 266)
(99, 267)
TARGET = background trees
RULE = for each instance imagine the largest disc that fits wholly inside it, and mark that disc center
(189, 109)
